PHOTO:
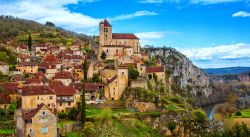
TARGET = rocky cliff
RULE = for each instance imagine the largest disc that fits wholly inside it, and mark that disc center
(183, 75)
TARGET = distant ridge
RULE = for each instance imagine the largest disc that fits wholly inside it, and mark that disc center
(226, 71)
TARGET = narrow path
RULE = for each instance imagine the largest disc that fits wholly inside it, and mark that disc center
(19, 123)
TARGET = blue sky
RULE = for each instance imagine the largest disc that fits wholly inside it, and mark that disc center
(212, 33)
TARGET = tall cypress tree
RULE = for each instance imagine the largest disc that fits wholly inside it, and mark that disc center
(29, 42)
(83, 105)
(85, 71)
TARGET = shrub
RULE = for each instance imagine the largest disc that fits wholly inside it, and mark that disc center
(62, 115)
(238, 113)
(199, 115)
(171, 126)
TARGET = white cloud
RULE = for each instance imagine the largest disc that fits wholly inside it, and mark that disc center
(133, 15)
(57, 12)
(150, 35)
(151, 1)
(241, 14)
(54, 11)
(220, 56)
(233, 51)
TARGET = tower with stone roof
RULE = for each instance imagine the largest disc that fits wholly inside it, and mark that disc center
(105, 33)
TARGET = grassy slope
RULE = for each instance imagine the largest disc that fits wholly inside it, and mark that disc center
(127, 127)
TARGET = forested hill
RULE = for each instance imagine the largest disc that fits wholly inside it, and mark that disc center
(227, 71)
(15, 31)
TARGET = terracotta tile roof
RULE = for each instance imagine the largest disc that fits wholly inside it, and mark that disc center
(112, 79)
(63, 75)
(45, 65)
(99, 64)
(77, 85)
(78, 66)
(5, 98)
(41, 75)
(155, 69)
(106, 23)
(42, 45)
(23, 56)
(116, 46)
(23, 46)
(124, 36)
(33, 81)
(37, 90)
(49, 58)
(64, 90)
(30, 114)
(55, 83)
(93, 86)
(17, 77)
(10, 87)
(28, 63)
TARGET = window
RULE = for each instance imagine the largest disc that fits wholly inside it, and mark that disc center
(107, 50)
(116, 50)
(50, 97)
(38, 98)
(44, 130)
(69, 103)
(43, 112)
(48, 105)
(122, 73)
(60, 104)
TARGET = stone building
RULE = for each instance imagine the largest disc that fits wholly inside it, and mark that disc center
(33, 96)
(107, 38)
(40, 122)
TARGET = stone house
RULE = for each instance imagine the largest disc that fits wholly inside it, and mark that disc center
(32, 96)
(40, 122)
(65, 97)
(23, 49)
(27, 67)
(139, 82)
(111, 89)
(5, 100)
(159, 71)
(12, 89)
(78, 70)
(23, 58)
(91, 90)
(64, 76)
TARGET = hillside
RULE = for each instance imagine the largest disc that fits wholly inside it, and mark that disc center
(184, 76)
(15, 31)
(226, 71)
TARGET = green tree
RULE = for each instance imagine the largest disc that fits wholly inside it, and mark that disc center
(103, 55)
(89, 130)
(96, 78)
(4, 57)
(73, 113)
(199, 115)
(29, 42)
(171, 126)
(83, 106)
(50, 24)
(149, 76)
(132, 73)
(155, 77)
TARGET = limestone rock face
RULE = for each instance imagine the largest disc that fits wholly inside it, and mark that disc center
(182, 71)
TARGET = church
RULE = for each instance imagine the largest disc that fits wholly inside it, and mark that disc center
(116, 45)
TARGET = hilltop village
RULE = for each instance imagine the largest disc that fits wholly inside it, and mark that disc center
(48, 78)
